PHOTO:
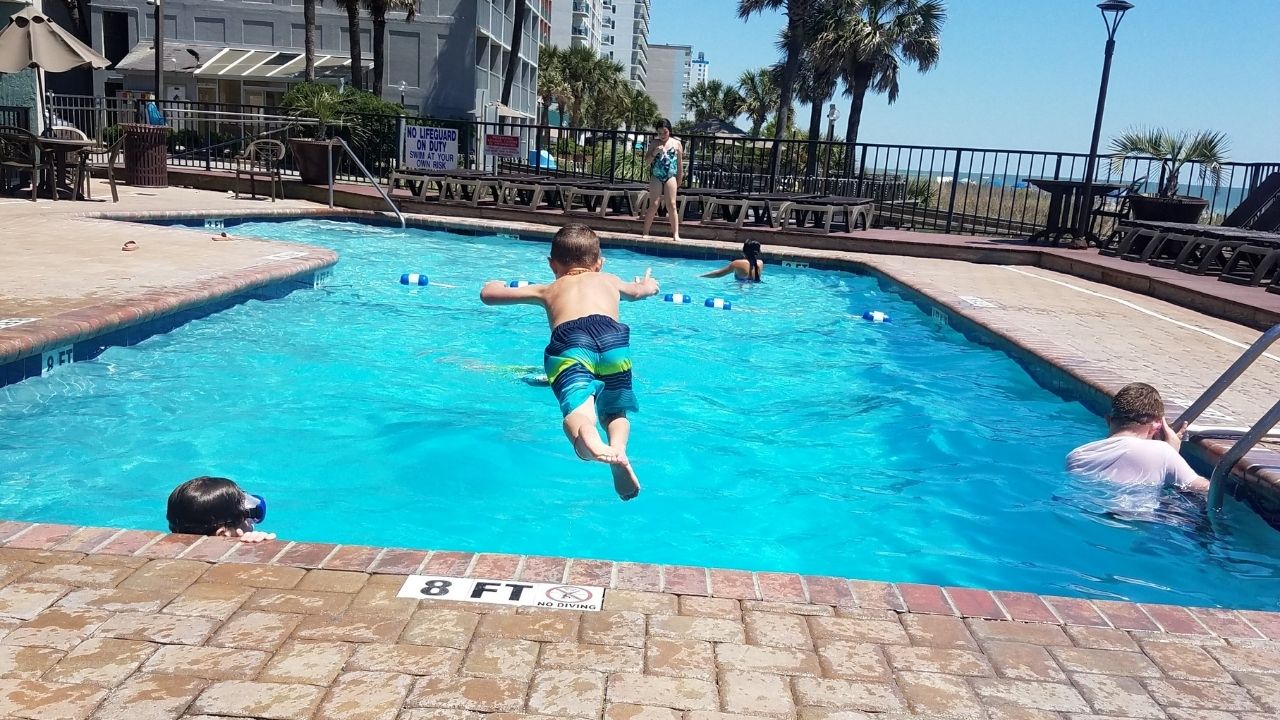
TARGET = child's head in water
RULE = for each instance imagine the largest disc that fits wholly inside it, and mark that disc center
(575, 246)
(214, 506)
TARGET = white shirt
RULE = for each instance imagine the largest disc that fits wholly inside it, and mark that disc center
(1143, 467)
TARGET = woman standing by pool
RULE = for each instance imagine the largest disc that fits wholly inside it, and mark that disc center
(665, 157)
(748, 269)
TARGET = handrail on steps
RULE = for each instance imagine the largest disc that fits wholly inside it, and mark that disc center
(1250, 438)
(365, 171)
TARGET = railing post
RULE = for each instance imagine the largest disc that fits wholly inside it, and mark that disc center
(328, 159)
(955, 183)
(862, 167)
(613, 161)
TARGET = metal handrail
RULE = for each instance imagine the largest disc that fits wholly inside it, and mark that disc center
(1255, 433)
(367, 175)
(1242, 447)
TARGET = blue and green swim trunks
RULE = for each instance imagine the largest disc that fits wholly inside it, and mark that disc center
(591, 356)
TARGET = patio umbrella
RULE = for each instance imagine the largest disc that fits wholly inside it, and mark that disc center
(32, 40)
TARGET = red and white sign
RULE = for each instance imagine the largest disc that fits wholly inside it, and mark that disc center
(503, 146)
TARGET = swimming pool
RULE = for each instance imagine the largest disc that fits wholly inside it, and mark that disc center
(786, 434)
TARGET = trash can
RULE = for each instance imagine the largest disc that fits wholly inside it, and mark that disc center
(146, 155)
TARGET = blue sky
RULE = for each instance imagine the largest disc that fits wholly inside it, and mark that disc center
(1023, 74)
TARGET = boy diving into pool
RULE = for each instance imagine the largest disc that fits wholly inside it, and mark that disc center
(588, 359)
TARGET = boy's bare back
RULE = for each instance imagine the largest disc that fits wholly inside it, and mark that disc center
(581, 294)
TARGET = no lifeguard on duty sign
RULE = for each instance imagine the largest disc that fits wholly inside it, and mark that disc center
(556, 596)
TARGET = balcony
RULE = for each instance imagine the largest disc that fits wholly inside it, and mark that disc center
(581, 8)
(609, 24)
(580, 31)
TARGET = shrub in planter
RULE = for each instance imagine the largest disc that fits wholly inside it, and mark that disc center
(1206, 148)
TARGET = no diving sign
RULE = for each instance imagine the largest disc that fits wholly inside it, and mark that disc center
(503, 592)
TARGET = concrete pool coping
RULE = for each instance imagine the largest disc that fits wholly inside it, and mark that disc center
(1068, 375)
(126, 624)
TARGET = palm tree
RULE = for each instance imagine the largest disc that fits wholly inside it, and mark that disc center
(759, 96)
(309, 38)
(817, 80)
(513, 57)
(584, 72)
(714, 100)
(353, 38)
(378, 10)
(870, 40)
(795, 40)
(642, 111)
(552, 84)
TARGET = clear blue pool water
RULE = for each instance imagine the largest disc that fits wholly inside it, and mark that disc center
(793, 437)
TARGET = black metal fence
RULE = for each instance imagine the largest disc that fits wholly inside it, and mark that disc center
(948, 189)
(15, 116)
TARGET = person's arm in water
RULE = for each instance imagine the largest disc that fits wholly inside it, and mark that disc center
(496, 292)
(638, 289)
(721, 272)
(1184, 477)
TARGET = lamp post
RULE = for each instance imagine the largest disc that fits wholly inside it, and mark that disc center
(1112, 13)
(159, 47)
(832, 115)
(401, 86)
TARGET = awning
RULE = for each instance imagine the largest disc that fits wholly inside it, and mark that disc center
(510, 112)
(215, 61)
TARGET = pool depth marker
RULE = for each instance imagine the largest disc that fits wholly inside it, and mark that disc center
(503, 592)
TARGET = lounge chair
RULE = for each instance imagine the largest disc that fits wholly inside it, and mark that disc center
(531, 192)
(600, 198)
(841, 213)
(1250, 214)
(469, 187)
(423, 179)
(20, 152)
(736, 208)
(261, 159)
(1252, 265)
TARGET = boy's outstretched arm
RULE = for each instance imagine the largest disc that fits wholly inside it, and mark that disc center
(496, 292)
(640, 288)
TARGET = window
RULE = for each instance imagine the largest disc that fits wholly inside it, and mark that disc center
(115, 35)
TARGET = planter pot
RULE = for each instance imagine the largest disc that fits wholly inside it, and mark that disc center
(1179, 208)
(310, 157)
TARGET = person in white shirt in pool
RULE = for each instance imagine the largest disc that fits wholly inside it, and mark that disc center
(1141, 451)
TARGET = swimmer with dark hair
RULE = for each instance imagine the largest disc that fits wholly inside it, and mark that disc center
(217, 506)
(747, 269)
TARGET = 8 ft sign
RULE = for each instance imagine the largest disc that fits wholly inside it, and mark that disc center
(503, 592)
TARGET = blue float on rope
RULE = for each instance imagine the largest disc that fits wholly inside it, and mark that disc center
(718, 304)
(519, 284)
(876, 316)
(413, 279)
(678, 298)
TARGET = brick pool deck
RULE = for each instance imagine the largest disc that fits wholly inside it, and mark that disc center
(127, 625)
(112, 623)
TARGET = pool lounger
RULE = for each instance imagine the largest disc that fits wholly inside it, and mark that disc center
(734, 208)
(469, 189)
(411, 178)
(625, 198)
(1252, 265)
(531, 193)
(844, 213)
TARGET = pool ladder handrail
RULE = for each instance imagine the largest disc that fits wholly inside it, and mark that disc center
(365, 171)
(1247, 440)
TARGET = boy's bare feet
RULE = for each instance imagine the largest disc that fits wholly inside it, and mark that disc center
(596, 451)
(625, 482)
